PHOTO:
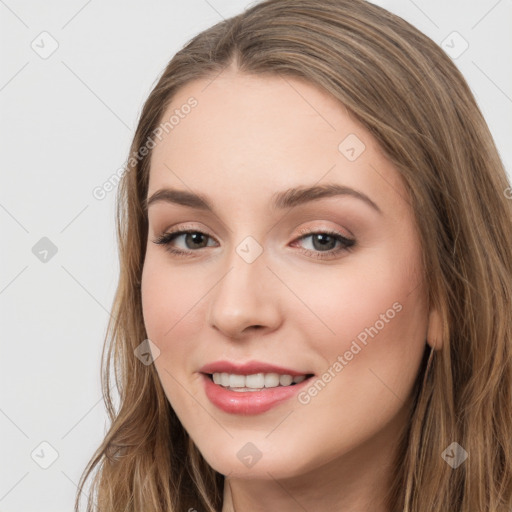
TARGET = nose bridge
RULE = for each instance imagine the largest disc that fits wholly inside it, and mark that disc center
(242, 297)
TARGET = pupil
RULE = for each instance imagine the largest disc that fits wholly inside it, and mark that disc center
(321, 238)
(195, 238)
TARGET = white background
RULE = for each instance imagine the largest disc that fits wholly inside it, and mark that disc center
(66, 125)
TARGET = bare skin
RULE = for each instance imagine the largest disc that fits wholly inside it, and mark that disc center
(248, 138)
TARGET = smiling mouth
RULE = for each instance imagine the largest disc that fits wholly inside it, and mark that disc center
(255, 382)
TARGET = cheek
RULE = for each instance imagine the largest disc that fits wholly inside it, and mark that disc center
(378, 320)
(166, 294)
(170, 320)
(167, 302)
(174, 306)
(373, 311)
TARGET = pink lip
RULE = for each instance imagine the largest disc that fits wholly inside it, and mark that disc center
(249, 368)
(250, 402)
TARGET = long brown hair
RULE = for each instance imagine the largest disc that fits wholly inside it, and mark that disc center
(402, 87)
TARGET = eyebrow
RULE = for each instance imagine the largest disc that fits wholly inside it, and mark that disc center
(279, 200)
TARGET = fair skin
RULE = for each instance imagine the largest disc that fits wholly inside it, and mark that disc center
(248, 138)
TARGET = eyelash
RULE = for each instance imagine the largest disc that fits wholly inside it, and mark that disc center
(347, 243)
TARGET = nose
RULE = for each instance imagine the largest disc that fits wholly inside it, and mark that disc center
(246, 299)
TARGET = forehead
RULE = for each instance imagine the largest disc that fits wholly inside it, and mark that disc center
(253, 134)
(253, 109)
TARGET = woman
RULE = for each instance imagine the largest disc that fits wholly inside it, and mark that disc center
(314, 306)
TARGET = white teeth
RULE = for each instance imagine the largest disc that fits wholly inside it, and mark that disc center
(271, 380)
(254, 382)
(236, 381)
(285, 380)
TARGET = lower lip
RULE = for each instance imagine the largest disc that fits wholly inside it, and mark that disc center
(249, 402)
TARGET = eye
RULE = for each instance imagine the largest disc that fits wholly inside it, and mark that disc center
(323, 242)
(193, 239)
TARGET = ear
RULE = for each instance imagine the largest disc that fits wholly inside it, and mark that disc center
(435, 330)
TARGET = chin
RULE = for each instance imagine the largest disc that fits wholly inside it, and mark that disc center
(237, 463)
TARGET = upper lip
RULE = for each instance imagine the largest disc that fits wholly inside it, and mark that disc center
(248, 368)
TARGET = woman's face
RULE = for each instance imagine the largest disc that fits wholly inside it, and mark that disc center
(318, 283)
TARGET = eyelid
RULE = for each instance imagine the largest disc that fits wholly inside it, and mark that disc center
(320, 229)
(188, 227)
